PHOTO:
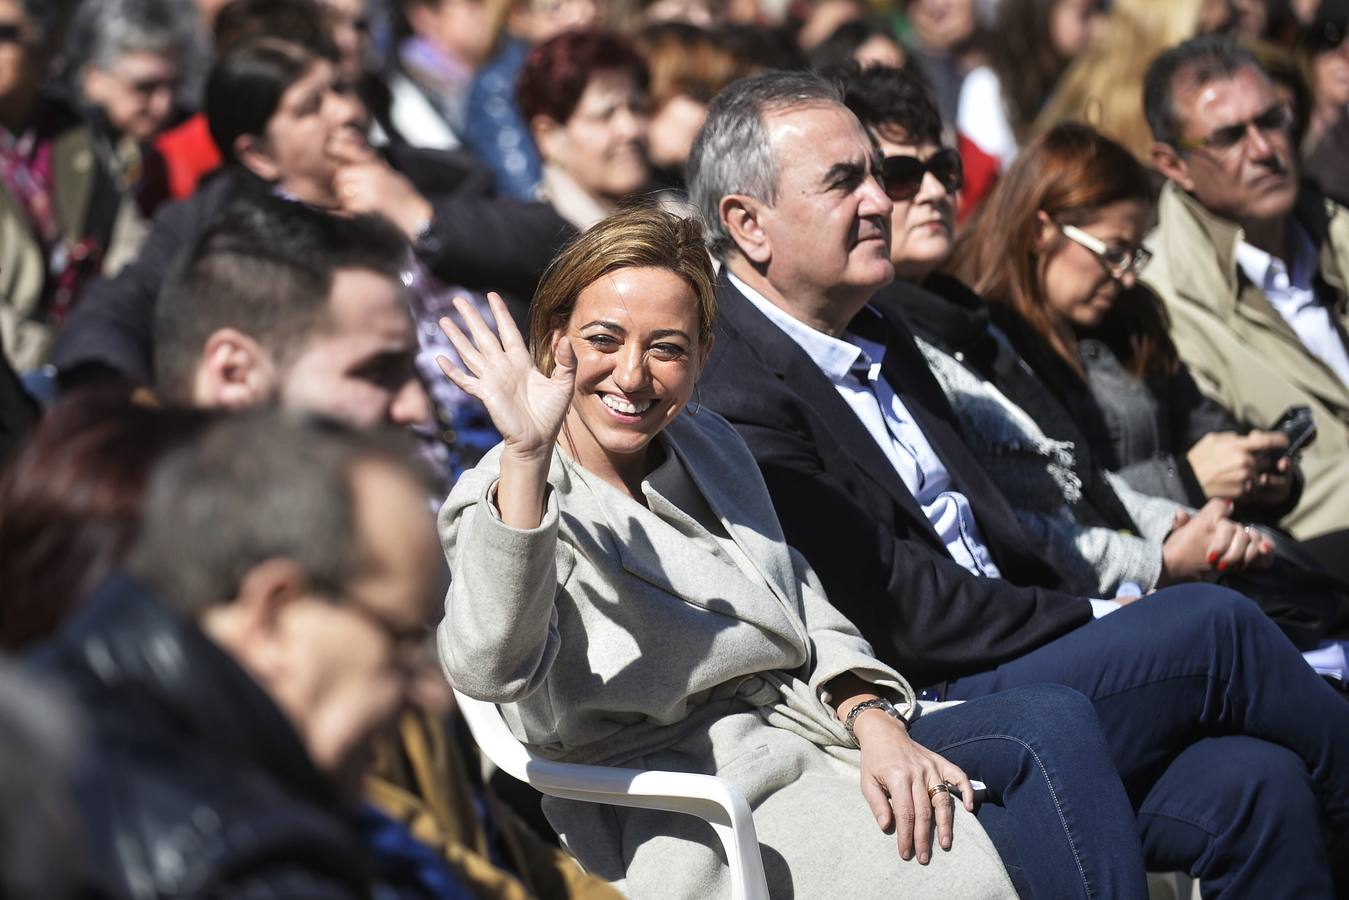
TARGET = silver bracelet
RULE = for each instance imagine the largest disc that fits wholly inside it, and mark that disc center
(875, 703)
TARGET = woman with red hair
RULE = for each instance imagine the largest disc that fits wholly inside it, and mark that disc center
(584, 95)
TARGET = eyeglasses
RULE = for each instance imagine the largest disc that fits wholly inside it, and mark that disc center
(148, 87)
(411, 643)
(904, 174)
(1277, 118)
(1118, 262)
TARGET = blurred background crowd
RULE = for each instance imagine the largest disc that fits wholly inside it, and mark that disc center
(142, 143)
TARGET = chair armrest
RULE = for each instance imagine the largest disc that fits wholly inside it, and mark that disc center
(705, 796)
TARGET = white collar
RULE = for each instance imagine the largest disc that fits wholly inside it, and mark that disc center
(834, 356)
(1270, 273)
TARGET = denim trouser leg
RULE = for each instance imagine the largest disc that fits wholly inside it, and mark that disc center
(1255, 829)
(1184, 664)
(1056, 809)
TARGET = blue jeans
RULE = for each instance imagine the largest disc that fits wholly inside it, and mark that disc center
(1229, 745)
(1055, 810)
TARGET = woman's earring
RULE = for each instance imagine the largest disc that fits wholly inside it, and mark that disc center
(697, 401)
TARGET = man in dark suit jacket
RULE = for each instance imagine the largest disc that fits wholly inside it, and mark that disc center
(913, 542)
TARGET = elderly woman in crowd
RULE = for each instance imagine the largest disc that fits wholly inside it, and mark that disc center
(127, 60)
(584, 95)
(57, 208)
(621, 581)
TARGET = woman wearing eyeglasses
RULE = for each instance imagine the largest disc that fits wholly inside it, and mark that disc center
(1056, 251)
(1099, 538)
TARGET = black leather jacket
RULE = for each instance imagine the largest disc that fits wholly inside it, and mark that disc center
(194, 783)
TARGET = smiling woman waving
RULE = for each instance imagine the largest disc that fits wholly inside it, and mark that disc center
(621, 582)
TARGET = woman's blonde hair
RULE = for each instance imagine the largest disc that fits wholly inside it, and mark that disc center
(1104, 86)
(641, 236)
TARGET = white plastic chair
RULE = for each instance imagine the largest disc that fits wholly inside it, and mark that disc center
(704, 796)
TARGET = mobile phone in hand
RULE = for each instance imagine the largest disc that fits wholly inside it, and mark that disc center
(1299, 426)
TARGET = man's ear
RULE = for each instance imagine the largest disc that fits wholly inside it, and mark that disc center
(1169, 161)
(547, 133)
(741, 216)
(250, 625)
(235, 372)
(252, 153)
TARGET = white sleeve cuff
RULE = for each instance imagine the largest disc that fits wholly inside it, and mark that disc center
(1100, 608)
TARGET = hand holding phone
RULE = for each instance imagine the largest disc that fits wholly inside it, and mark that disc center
(1299, 426)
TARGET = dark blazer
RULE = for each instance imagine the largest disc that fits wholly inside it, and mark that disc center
(846, 509)
(195, 784)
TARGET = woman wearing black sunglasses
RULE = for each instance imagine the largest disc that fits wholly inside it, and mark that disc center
(1014, 426)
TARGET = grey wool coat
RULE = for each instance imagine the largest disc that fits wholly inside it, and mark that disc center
(617, 633)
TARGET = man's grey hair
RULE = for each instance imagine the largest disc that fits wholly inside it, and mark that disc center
(255, 487)
(732, 153)
(107, 30)
(1199, 61)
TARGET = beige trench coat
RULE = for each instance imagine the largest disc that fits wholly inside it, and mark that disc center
(1243, 353)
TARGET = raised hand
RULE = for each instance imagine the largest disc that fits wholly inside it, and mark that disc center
(526, 406)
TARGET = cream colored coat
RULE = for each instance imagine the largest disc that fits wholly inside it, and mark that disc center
(1243, 353)
(617, 636)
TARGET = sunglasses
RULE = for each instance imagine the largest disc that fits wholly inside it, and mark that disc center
(1328, 37)
(1277, 118)
(148, 87)
(1117, 262)
(13, 33)
(904, 174)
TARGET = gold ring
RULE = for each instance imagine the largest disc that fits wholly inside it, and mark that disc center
(936, 789)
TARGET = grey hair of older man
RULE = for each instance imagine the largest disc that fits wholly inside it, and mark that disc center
(733, 154)
(257, 486)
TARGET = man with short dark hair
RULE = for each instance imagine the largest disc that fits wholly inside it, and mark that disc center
(271, 625)
(913, 542)
(1252, 269)
(280, 303)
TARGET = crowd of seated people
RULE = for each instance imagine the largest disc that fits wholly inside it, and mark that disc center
(931, 418)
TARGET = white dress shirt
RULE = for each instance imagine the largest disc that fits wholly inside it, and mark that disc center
(1293, 295)
(890, 424)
